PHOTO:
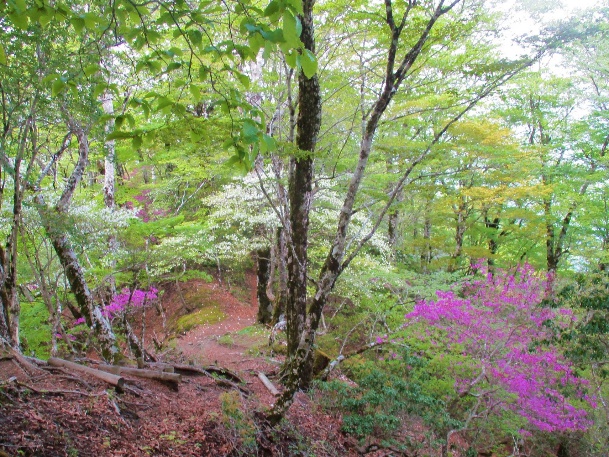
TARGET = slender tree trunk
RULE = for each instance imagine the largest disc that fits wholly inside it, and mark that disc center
(110, 156)
(460, 228)
(52, 221)
(265, 306)
(493, 226)
(281, 296)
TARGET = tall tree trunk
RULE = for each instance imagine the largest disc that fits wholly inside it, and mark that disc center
(263, 271)
(10, 308)
(302, 324)
(281, 297)
(426, 252)
(493, 226)
(110, 156)
(460, 228)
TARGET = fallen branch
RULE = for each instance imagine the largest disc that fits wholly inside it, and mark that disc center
(267, 383)
(117, 381)
(56, 392)
(166, 367)
(23, 361)
(187, 370)
(172, 379)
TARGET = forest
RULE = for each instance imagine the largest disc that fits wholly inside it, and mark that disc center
(413, 192)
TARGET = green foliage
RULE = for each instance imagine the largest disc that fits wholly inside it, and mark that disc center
(386, 396)
(35, 329)
(238, 423)
(586, 339)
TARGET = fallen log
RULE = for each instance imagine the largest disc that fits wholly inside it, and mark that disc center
(166, 367)
(267, 383)
(185, 369)
(117, 381)
(162, 376)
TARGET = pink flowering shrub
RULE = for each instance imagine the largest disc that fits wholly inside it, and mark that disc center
(496, 326)
(125, 299)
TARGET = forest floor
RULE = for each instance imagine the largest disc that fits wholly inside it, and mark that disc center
(56, 412)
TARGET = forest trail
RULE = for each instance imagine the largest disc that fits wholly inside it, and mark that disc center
(217, 343)
(55, 412)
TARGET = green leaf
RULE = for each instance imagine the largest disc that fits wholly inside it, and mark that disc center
(256, 42)
(292, 29)
(275, 36)
(308, 62)
(195, 37)
(195, 91)
(271, 8)
(119, 121)
(91, 20)
(296, 5)
(58, 86)
(19, 19)
(2, 55)
(250, 131)
(290, 59)
(78, 24)
(173, 66)
(243, 79)
(195, 137)
(44, 19)
(118, 135)
(203, 73)
(164, 102)
(268, 143)
(20, 5)
(99, 88)
(91, 69)
(137, 141)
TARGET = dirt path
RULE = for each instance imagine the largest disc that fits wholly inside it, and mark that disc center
(201, 344)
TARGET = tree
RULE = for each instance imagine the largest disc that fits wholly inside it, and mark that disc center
(414, 33)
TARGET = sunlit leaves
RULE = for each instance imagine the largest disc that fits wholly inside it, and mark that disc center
(308, 62)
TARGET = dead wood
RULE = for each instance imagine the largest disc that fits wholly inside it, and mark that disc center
(55, 392)
(142, 373)
(117, 381)
(188, 370)
(185, 369)
(170, 379)
(23, 361)
(267, 383)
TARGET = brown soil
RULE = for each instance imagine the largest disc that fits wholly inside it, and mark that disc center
(52, 412)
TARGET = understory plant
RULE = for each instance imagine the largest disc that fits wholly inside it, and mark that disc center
(494, 339)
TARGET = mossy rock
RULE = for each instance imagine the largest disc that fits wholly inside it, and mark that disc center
(210, 314)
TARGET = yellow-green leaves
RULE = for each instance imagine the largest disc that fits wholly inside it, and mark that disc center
(292, 28)
(2, 55)
(308, 63)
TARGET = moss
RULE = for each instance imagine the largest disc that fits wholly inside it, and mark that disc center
(35, 329)
(226, 340)
(256, 330)
(210, 314)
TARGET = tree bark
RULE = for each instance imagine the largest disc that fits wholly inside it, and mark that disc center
(110, 156)
(265, 306)
(281, 297)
